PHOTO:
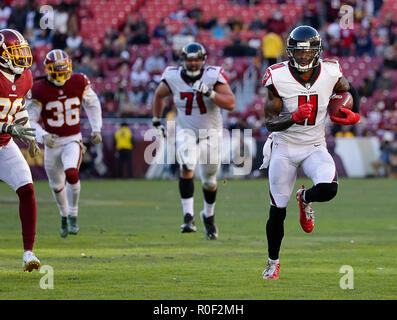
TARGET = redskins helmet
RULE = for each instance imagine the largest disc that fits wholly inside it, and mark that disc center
(304, 47)
(58, 67)
(15, 53)
(193, 58)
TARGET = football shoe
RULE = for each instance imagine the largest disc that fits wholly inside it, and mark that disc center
(271, 271)
(30, 261)
(306, 213)
(63, 231)
(188, 224)
(72, 225)
(211, 231)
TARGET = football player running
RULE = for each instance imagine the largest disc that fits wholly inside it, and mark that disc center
(299, 91)
(15, 83)
(56, 100)
(199, 92)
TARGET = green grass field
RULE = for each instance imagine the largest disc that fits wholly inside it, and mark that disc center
(130, 245)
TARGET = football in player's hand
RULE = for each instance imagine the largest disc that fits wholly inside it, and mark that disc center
(340, 100)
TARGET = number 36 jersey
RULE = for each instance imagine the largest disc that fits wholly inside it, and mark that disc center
(285, 82)
(60, 107)
(194, 110)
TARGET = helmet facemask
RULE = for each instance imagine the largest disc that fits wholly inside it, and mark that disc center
(304, 55)
(59, 72)
(193, 59)
(193, 67)
(17, 58)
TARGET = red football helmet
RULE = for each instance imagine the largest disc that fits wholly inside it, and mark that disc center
(58, 67)
(15, 53)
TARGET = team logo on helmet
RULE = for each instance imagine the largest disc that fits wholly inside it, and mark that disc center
(58, 67)
(15, 53)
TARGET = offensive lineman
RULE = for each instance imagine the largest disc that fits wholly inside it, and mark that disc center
(15, 83)
(199, 92)
(299, 91)
(56, 99)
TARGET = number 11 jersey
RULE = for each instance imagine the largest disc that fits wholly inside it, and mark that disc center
(285, 82)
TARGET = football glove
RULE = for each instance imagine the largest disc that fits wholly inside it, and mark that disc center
(200, 86)
(351, 117)
(157, 124)
(96, 137)
(50, 140)
(18, 131)
(303, 112)
(33, 148)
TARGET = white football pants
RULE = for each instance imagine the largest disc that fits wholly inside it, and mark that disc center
(14, 170)
(315, 160)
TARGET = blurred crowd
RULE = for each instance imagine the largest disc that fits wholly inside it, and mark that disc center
(127, 67)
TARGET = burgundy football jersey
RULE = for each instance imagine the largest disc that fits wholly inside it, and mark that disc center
(60, 106)
(12, 98)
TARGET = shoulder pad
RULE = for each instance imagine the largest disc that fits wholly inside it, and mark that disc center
(328, 60)
(170, 71)
(80, 77)
(277, 66)
(332, 66)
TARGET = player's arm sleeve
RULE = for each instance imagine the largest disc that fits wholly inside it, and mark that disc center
(92, 107)
(165, 77)
(267, 82)
(34, 111)
(275, 119)
(22, 116)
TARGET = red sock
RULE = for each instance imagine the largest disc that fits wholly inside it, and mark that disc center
(72, 175)
(27, 214)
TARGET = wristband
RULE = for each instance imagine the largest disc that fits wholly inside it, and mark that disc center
(156, 121)
(212, 94)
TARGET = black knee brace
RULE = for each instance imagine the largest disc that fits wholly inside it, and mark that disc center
(321, 192)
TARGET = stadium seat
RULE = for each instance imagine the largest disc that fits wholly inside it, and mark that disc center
(112, 13)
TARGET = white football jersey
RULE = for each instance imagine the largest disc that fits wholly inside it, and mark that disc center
(194, 110)
(285, 82)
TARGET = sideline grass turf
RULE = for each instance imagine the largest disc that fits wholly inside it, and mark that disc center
(130, 246)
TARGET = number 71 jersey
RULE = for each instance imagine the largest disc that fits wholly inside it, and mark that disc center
(285, 82)
(61, 106)
(195, 111)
